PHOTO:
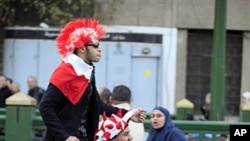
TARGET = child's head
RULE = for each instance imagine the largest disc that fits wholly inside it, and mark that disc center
(123, 136)
(115, 128)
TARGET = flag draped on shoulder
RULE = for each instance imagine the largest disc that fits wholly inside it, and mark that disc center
(72, 77)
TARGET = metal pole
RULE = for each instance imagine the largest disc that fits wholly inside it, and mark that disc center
(217, 110)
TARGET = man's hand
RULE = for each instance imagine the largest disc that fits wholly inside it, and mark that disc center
(139, 115)
(72, 138)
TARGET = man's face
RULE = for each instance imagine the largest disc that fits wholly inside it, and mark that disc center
(92, 53)
(31, 83)
(15, 87)
(124, 135)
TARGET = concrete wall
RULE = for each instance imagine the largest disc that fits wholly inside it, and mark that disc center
(200, 14)
(176, 13)
(184, 15)
(141, 13)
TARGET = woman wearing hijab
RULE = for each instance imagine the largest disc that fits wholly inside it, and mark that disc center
(162, 128)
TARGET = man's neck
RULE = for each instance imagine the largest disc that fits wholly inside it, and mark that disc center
(115, 102)
(87, 62)
(124, 105)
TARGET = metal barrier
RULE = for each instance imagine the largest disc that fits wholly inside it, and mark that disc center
(38, 125)
(2, 124)
(202, 128)
(2, 111)
(188, 127)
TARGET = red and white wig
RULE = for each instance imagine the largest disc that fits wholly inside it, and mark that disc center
(113, 125)
(77, 33)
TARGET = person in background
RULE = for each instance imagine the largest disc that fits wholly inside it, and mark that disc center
(121, 97)
(34, 90)
(5, 92)
(115, 128)
(15, 87)
(205, 109)
(162, 127)
(71, 105)
(245, 98)
(9, 82)
(105, 94)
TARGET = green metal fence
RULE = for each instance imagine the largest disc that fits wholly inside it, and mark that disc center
(188, 127)
(2, 111)
(200, 128)
(2, 123)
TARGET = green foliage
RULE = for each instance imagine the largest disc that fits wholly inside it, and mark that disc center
(7, 9)
(53, 12)
(58, 12)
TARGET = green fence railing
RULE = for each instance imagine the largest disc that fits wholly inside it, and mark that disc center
(199, 128)
(2, 111)
(2, 123)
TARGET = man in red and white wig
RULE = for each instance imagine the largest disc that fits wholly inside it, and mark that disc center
(71, 106)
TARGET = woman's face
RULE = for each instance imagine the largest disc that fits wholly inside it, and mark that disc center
(124, 136)
(157, 119)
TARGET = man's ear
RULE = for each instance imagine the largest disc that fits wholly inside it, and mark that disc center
(79, 51)
(82, 50)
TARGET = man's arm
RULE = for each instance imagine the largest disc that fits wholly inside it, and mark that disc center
(50, 100)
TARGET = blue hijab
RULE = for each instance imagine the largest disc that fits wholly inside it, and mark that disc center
(168, 132)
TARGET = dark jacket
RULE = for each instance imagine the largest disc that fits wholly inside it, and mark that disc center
(62, 118)
(5, 92)
(36, 93)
